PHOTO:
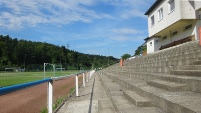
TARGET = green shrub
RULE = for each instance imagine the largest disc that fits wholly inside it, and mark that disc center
(44, 110)
(57, 103)
(71, 90)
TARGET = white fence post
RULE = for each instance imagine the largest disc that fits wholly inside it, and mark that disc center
(44, 71)
(54, 69)
(50, 96)
(87, 77)
(91, 73)
(76, 85)
(84, 79)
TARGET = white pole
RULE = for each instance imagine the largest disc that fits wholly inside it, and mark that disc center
(87, 77)
(50, 96)
(76, 84)
(84, 79)
(54, 69)
(90, 73)
(44, 70)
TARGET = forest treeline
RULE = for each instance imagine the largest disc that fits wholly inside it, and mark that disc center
(32, 55)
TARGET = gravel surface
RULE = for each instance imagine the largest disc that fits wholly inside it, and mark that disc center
(33, 99)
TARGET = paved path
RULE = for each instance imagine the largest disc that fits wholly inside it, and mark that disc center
(87, 102)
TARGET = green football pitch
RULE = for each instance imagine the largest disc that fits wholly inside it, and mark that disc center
(13, 78)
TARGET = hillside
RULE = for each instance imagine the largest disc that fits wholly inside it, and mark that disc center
(31, 55)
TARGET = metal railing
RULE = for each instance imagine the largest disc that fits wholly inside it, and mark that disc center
(10, 89)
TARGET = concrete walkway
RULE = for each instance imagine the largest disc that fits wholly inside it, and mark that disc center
(90, 100)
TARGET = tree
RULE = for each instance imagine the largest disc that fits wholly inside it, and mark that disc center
(140, 49)
(18, 53)
(125, 56)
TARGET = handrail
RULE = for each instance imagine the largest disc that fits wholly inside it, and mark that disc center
(10, 89)
(66, 76)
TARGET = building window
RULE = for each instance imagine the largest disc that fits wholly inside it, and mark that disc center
(187, 27)
(152, 21)
(160, 14)
(174, 33)
(165, 37)
(171, 5)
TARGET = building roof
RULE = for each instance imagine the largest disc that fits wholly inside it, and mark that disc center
(153, 7)
(147, 38)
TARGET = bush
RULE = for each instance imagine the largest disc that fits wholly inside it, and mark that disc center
(44, 110)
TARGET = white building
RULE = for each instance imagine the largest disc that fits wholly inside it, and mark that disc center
(172, 22)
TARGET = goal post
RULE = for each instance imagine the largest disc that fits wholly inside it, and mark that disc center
(53, 65)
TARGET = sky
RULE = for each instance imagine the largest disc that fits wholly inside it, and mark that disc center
(100, 27)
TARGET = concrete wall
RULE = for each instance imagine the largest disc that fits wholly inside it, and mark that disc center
(168, 18)
(181, 33)
(196, 4)
(163, 61)
(153, 45)
(183, 10)
(184, 14)
(187, 10)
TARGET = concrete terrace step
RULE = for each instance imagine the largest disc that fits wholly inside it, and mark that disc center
(196, 62)
(112, 88)
(138, 100)
(105, 106)
(121, 103)
(170, 102)
(196, 73)
(167, 85)
(193, 82)
(190, 67)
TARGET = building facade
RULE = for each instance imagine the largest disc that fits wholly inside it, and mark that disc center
(172, 22)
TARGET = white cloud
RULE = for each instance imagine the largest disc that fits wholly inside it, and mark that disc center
(126, 14)
(20, 13)
(131, 8)
(130, 3)
(120, 38)
(124, 38)
(126, 34)
(126, 31)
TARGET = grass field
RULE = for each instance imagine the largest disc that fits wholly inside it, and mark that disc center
(13, 78)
